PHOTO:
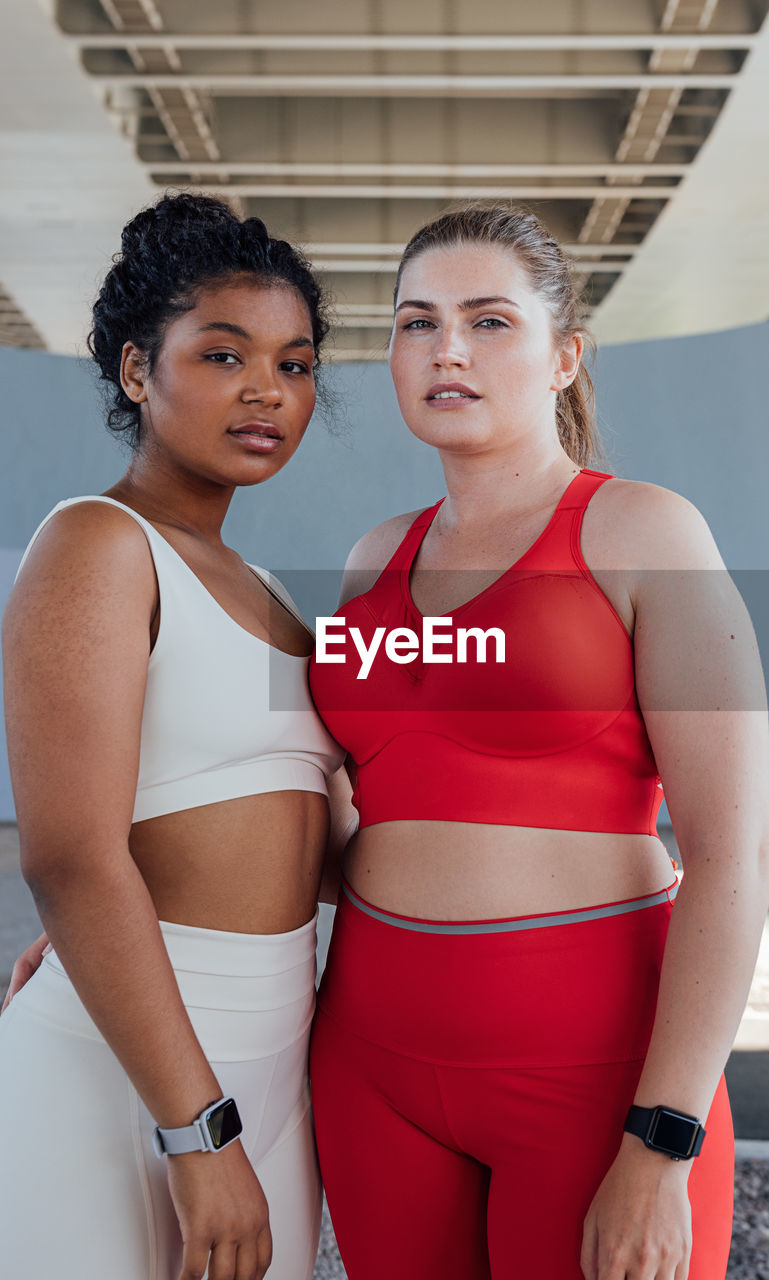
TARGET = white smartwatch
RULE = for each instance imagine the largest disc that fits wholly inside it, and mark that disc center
(215, 1128)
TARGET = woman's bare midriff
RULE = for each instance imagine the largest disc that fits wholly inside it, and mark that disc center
(476, 871)
(250, 865)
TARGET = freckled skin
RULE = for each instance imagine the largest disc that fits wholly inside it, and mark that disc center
(504, 351)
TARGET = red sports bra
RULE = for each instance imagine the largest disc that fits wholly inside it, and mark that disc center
(552, 736)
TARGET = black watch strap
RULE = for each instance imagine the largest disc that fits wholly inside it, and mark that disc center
(664, 1129)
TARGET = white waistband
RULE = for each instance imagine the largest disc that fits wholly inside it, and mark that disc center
(214, 951)
(247, 995)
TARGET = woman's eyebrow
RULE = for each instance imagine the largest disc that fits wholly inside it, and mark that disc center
(299, 342)
(227, 327)
(416, 302)
(469, 304)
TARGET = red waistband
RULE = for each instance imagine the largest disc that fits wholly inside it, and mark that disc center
(509, 924)
(496, 996)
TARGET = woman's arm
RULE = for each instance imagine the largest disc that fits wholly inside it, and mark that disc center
(343, 825)
(76, 647)
(700, 687)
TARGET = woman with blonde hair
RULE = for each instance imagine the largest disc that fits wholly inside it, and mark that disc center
(517, 1057)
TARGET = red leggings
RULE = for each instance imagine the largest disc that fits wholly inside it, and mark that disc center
(470, 1088)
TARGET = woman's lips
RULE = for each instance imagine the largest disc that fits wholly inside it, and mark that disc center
(450, 395)
(260, 437)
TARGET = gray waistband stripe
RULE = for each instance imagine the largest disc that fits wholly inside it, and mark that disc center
(514, 926)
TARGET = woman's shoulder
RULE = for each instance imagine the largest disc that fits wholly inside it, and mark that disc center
(634, 523)
(372, 552)
(84, 539)
(376, 547)
(86, 592)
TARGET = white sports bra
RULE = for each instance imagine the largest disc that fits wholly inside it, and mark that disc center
(225, 714)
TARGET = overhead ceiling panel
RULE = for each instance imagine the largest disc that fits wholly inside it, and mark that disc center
(347, 134)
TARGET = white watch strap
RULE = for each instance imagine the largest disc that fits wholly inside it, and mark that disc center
(177, 1142)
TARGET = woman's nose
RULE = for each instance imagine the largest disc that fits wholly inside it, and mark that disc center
(450, 350)
(261, 391)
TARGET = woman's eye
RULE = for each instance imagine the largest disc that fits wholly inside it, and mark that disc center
(419, 323)
(294, 366)
(492, 322)
(222, 357)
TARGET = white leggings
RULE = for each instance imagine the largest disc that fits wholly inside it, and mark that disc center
(82, 1194)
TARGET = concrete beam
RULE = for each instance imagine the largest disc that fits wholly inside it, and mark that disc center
(345, 249)
(451, 86)
(279, 169)
(359, 191)
(368, 266)
(494, 43)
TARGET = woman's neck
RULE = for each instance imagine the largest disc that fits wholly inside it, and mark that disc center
(483, 488)
(183, 501)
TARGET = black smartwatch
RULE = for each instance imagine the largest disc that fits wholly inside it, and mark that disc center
(215, 1128)
(674, 1133)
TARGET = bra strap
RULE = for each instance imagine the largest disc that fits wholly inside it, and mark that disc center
(407, 548)
(557, 549)
(590, 481)
(582, 488)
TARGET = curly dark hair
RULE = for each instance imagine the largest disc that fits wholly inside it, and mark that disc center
(170, 251)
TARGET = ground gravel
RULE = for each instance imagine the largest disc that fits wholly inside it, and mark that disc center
(329, 1264)
(748, 1260)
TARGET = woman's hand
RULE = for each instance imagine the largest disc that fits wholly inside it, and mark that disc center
(342, 827)
(639, 1224)
(28, 963)
(222, 1214)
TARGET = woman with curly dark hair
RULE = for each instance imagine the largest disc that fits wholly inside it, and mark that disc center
(153, 1101)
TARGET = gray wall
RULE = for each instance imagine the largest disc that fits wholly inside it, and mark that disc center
(691, 414)
(687, 413)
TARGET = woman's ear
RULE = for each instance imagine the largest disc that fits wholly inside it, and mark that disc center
(567, 362)
(133, 372)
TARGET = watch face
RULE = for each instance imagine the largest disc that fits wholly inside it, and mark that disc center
(224, 1123)
(673, 1133)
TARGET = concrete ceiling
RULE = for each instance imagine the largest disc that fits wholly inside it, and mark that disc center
(639, 131)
